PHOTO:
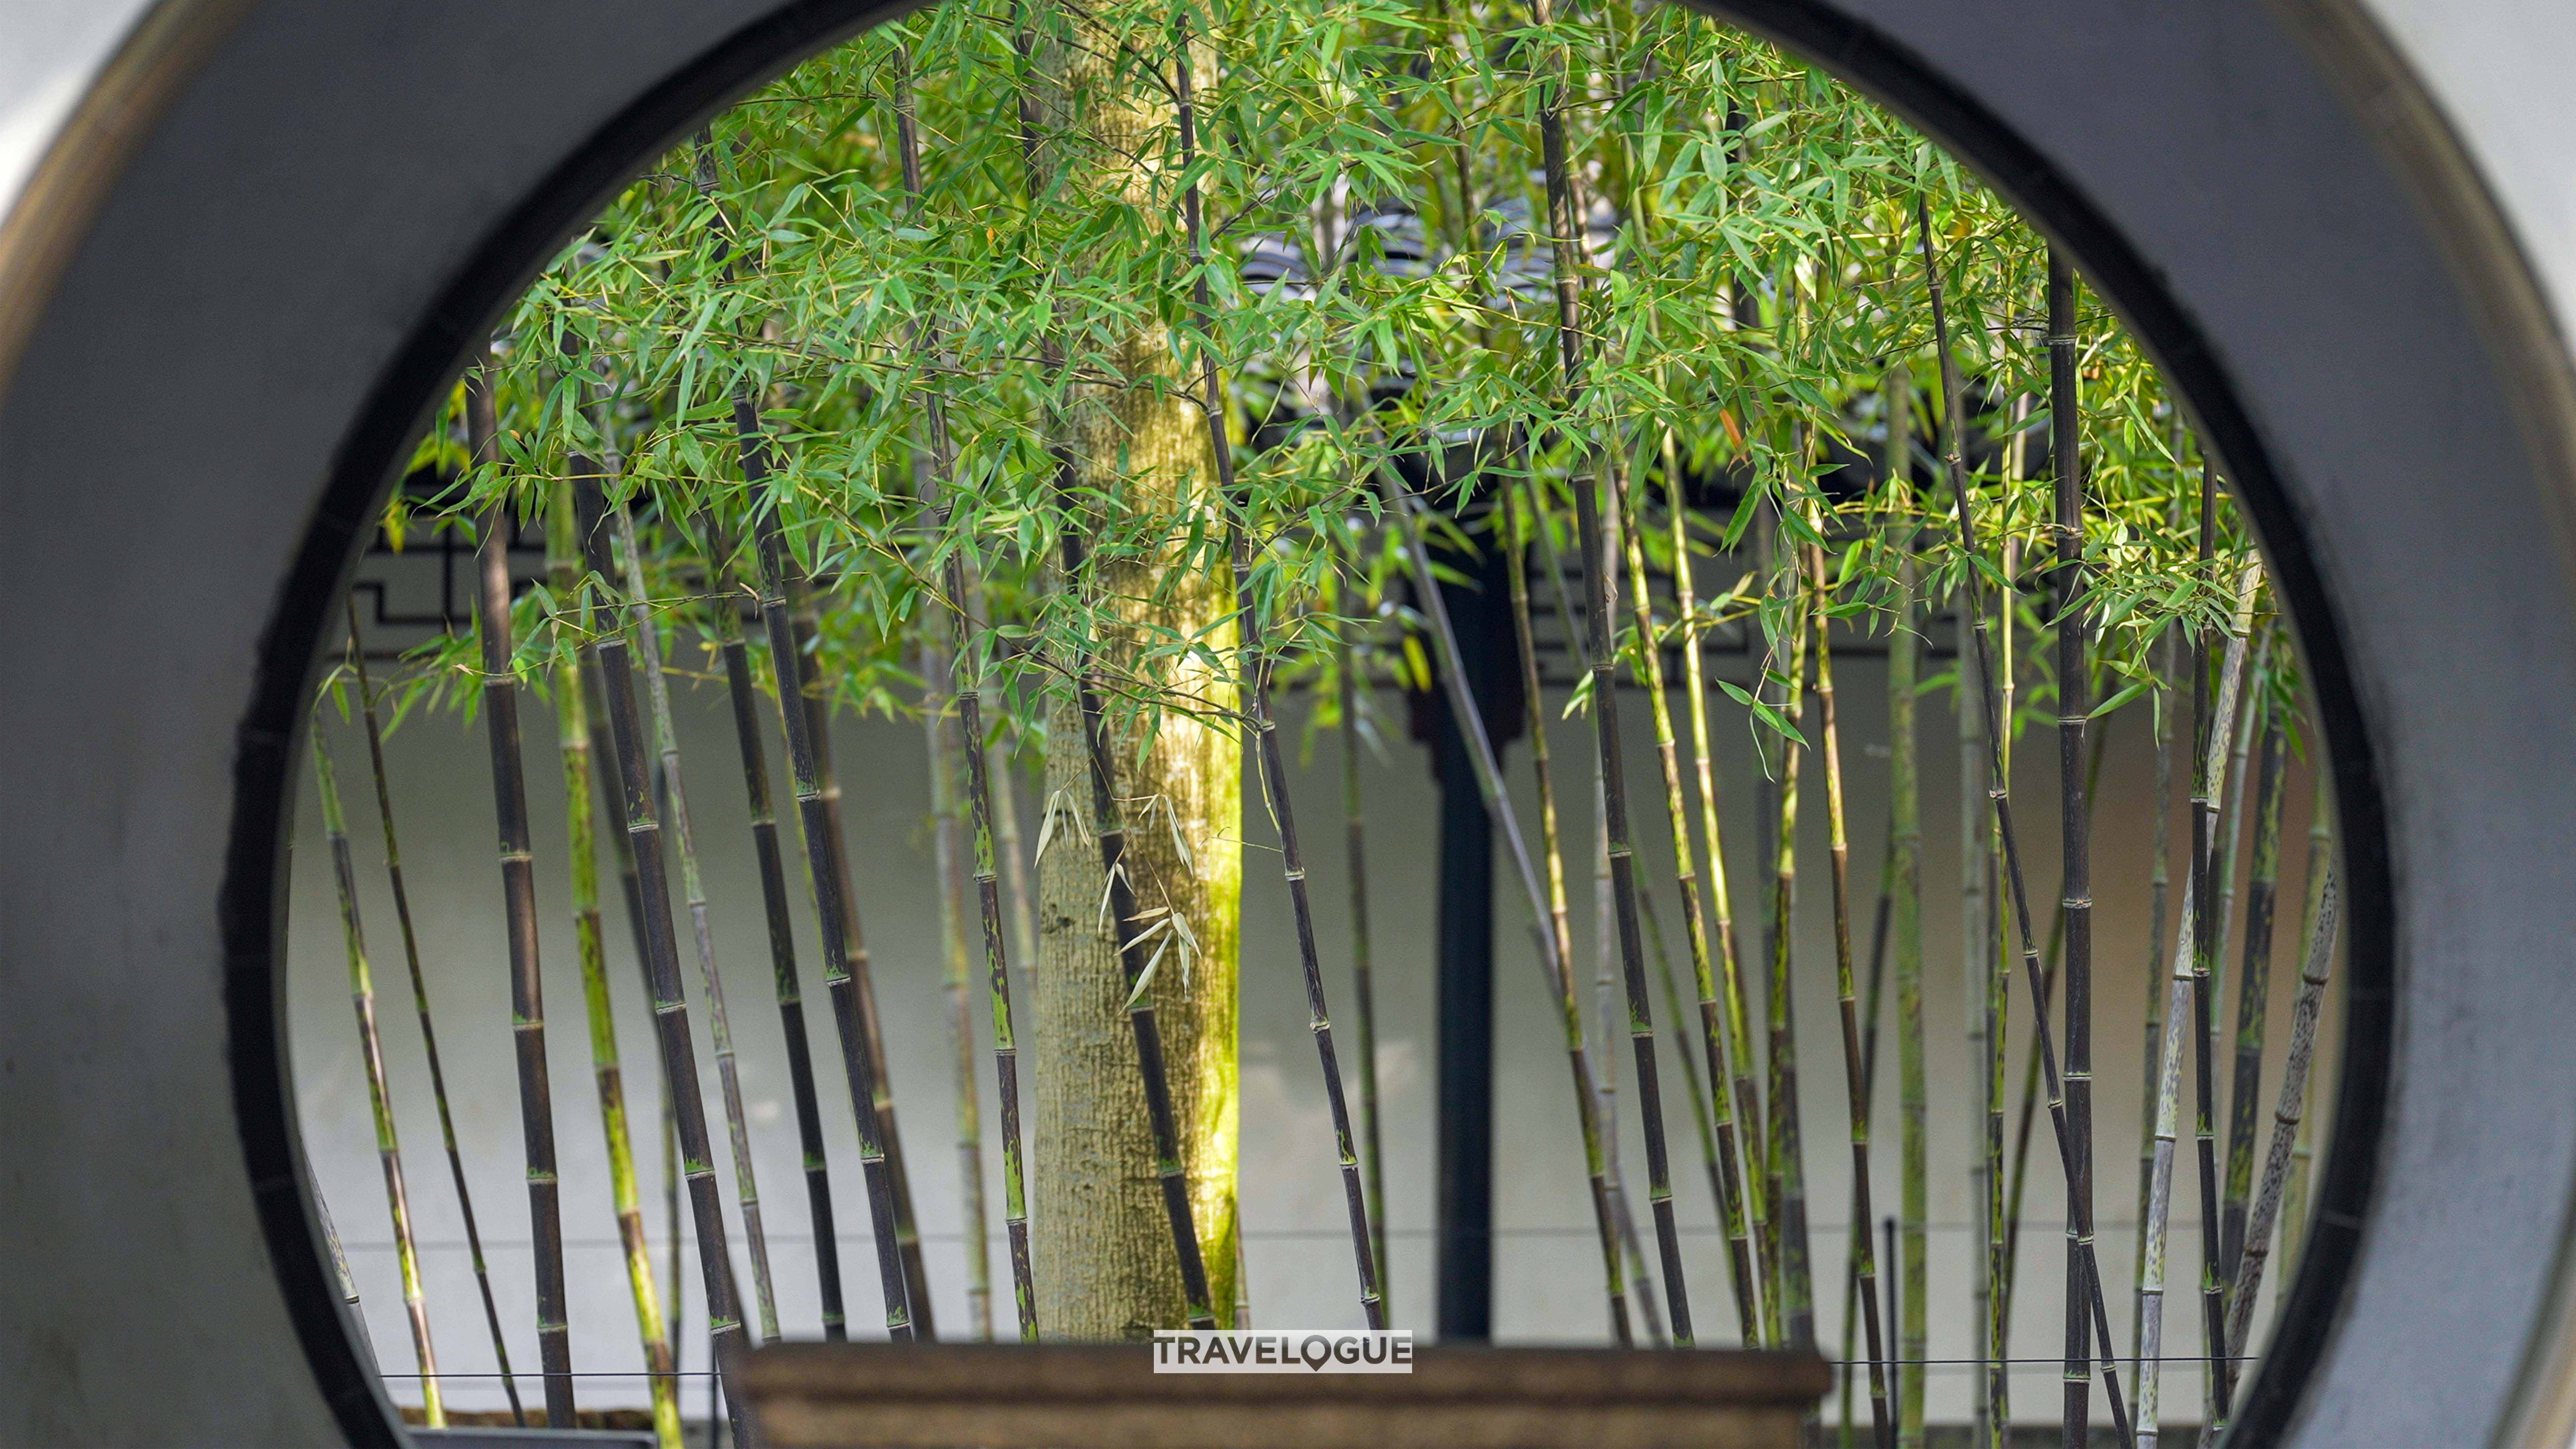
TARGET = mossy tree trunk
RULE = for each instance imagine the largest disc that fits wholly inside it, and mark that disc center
(1104, 1242)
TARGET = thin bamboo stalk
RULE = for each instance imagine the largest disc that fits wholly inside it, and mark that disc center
(786, 987)
(1994, 975)
(2168, 1096)
(1649, 668)
(1787, 1148)
(2075, 850)
(939, 724)
(578, 747)
(638, 813)
(816, 707)
(1724, 1029)
(750, 439)
(1251, 640)
(348, 1284)
(1896, 1367)
(1997, 976)
(2238, 776)
(1955, 465)
(420, 1006)
(519, 902)
(1830, 746)
(1701, 1109)
(1605, 1016)
(2294, 1201)
(673, 1244)
(2159, 889)
(2287, 1121)
(674, 793)
(2253, 990)
(362, 996)
(2212, 735)
(1605, 987)
(1363, 990)
(969, 725)
(858, 1055)
(2051, 959)
(1549, 914)
(1905, 917)
(1976, 928)
(1872, 1010)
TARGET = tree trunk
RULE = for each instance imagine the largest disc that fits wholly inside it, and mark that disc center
(1104, 1243)
(1104, 1247)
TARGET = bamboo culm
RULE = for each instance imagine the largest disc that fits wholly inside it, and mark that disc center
(348, 1284)
(2076, 891)
(1250, 639)
(2168, 1094)
(948, 863)
(362, 995)
(961, 675)
(2232, 848)
(1556, 935)
(1363, 988)
(674, 792)
(2287, 1119)
(2211, 737)
(743, 694)
(1701, 1112)
(1786, 1147)
(1993, 969)
(641, 820)
(2294, 1199)
(1976, 996)
(519, 900)
(1857, 1088)
(2051, 960)
(834, 846)
(1346, 684)
(2159, 890)
(420, 1006)
(1905, 915)
(1956, 467)
(2253, 990)
(1870, 1014)
(578, 734)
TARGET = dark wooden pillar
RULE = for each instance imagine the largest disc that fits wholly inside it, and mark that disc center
(1477, 592)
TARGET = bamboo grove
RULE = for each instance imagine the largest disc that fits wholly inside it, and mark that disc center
(1112, 389)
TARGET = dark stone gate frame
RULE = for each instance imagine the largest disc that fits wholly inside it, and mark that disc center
(240, 283)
